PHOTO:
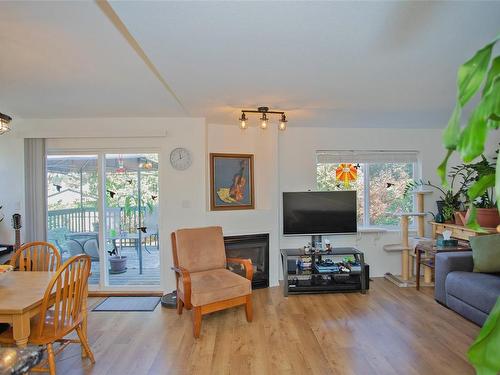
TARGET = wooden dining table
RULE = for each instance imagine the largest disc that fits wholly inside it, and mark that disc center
(21, 294)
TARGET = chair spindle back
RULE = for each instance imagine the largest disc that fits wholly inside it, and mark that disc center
(64, 296)
(36, 256)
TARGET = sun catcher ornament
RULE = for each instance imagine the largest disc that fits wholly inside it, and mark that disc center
(346, 172)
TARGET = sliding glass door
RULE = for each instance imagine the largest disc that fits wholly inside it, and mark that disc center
(106, 206)
(131, 224)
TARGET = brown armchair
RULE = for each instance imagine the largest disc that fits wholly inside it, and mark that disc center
(203, 282)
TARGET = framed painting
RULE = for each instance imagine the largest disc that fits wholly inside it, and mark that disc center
(231, 182)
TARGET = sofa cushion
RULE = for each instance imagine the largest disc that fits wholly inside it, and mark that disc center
(479, 290)
(216, 285)
(466, 310)
(486, 253)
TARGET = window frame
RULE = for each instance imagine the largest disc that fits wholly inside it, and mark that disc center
(366, 189)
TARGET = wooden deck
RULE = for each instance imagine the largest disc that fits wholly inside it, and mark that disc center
(150, 271)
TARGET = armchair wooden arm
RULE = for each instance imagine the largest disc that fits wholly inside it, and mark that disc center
(185, 279)
(247, 263)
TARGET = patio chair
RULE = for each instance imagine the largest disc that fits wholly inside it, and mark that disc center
(83, 243)
(151, 224)
(203, 282)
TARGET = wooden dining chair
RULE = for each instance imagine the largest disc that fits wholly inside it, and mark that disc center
(36, 256)
(61, 312)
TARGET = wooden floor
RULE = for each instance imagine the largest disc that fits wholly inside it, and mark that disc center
(388, 331)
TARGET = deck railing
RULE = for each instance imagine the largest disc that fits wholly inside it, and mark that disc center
(86, 219)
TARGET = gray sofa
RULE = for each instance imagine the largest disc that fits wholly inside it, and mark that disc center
(471, 294)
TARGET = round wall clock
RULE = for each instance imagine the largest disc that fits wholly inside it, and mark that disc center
(180, 158)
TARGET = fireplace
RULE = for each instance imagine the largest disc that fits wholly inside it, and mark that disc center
(254, 247)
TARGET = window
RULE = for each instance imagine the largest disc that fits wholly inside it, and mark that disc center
(380, 182)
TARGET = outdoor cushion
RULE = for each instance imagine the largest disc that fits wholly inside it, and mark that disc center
(486, 253)
(216, 285)
(479, 290)
(201, 249)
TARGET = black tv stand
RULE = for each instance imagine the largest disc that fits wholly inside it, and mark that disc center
(313, 280)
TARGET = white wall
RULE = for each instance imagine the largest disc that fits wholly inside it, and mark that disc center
(11, 183)
(264, 219)
(283, 162)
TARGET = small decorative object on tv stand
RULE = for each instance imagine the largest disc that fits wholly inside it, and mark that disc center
(324, 271)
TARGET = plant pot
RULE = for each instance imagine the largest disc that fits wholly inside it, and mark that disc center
(460, 217)
(117, 264)
(486, 217)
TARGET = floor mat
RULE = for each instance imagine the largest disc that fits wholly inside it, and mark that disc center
(128, 304)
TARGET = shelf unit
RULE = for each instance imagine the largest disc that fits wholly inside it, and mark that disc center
(297, 281)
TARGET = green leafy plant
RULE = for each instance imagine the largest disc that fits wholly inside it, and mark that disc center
(452, 199)
(480, 71)
(483, 353)
(474, 172)
(131, 201)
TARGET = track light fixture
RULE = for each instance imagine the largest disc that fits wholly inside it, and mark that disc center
(4, 123)
(283, 122)
(243, 121)
(264, 120)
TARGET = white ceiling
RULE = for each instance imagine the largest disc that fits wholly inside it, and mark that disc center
(363, 64)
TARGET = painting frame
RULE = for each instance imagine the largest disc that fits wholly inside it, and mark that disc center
(215, 178)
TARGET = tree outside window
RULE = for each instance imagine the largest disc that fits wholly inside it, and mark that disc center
(379, 186)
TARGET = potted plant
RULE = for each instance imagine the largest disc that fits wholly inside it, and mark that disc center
(451, 199)
(485, 205)
(117, 261)
(480, 71)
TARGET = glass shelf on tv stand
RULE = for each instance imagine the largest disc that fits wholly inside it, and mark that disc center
(345, 282)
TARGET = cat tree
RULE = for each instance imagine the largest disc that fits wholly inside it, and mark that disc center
(406, 246)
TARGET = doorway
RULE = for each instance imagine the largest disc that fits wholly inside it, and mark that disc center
(106, 205)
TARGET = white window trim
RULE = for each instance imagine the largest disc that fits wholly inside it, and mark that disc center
(381, 156)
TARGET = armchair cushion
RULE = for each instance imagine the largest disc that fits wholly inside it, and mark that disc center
(201, 249)
(216, 285)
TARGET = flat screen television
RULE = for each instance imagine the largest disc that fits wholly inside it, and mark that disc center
(319, 212)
